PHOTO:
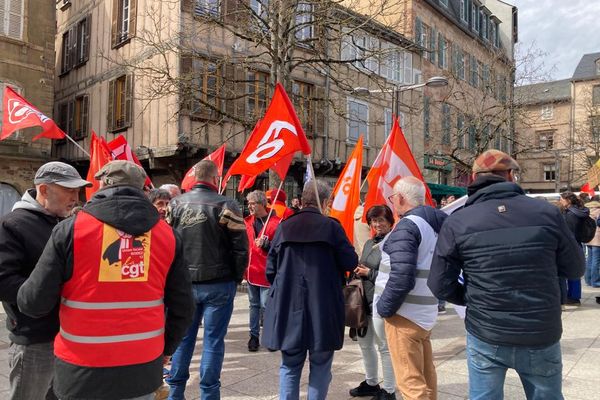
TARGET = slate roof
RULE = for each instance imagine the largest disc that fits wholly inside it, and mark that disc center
(545, 92)
(586, 69)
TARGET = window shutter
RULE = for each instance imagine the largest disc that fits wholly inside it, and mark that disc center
(240, 91)
(15, 19)
(432, 47)
(70, 118)
(419, 31)
(228, 90)
(186, 85)
(128, 99)
(73, 44)
(132, 18)
(111, 106)
(86, 39)
(114, 32)
(3, 10)
(84, 116)
(319, 109)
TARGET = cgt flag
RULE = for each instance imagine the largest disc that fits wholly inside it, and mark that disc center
(19, 113)
(278, 136)
(217, 156)
(99, 156)
(395, 160)
(121, 150)
(346, 194)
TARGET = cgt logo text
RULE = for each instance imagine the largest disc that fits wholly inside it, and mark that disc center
(267, 149)
(18, 112)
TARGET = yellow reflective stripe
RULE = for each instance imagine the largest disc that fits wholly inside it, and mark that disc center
(113, 305)
(111, 339)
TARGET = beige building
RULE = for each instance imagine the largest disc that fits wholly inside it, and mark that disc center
(558, 129)
(470, 42)
(27, 30)
(180, 78)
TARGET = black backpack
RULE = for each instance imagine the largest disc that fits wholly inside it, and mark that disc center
(587, 230)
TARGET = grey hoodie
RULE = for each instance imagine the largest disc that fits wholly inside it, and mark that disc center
(28, 202)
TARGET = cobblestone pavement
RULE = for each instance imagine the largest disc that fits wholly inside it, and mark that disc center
(256, 375)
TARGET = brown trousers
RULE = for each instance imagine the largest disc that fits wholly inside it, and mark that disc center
(412, 358)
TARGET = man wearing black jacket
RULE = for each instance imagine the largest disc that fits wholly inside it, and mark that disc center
(510, 249)
(216, 254)
(114, 268)
(23, 235)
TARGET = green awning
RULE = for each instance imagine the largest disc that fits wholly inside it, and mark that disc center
(438, 190)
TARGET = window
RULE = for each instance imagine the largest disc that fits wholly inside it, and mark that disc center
(392, 65)
(260, 8)
(302, 96)
(359, 47)
(446, 123)
(501, 79)
(493, 33)
(207, 7)
(426, 131)
(11, 18)
(595, 125)
(464, 10)
(120, 96)
(474, 79)
(419, 32)
(66, 52)
(387, 122)
(549, 172)
(472, 134)
(475, 17)
(485, 78)
(546, 140)
(3, 85)
(408, 72)
(8, 197)
(442, 60)
(482, 23)
(73, 117)
(596, 95)
(83, 41)
(75, 45)
(304, 22)
(459, 62)
(547, 112)
(124, 21)
(206, 82)
(425, 39)
(497, 36)
(358, 117)
(257, 93)
(598, 66)
(460, 133)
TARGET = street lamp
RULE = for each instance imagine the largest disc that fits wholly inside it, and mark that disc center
(434, 81)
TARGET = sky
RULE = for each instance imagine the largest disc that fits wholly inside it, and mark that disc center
(564, 30)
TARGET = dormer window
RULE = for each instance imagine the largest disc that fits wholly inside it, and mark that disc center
(598, 66)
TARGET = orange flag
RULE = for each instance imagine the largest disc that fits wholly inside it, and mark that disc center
(395, 161)
(99, 156)
(346, 194)
(217, 156)
(279, 135)
(19, 113)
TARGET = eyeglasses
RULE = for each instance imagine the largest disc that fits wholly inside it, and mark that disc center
(390, 197)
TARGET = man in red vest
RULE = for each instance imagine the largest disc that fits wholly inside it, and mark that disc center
(259, 240)
(114, 268)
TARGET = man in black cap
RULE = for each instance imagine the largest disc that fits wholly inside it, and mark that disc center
(510, 249)
(114, 268)
(23, 235)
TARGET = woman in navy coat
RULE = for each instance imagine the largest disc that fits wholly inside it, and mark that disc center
(305, 306)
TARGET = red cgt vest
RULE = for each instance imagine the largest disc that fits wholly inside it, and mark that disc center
(257, 257)
(112, 311)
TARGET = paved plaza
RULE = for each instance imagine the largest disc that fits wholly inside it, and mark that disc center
(255, 375)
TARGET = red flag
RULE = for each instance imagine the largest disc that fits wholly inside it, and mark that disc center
(19, 113)
(217, 156)
(346, 194)
(278, 135)
(395, 161)
(246, 182)
(99, 156)
(588, 189)
(121, 150)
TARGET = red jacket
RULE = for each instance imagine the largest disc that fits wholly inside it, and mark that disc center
(281, 210)
(112, 311)
(257, 263)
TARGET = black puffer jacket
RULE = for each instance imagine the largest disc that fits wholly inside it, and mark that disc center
(575, 217)
(125, 208)
(510, 249)
(23, 235)
(213, 232)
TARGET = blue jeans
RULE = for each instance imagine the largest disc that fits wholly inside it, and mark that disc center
(214, 302)
(592, 270)
(291, 370)
(540, 370)
(257, 296)
(574, 289)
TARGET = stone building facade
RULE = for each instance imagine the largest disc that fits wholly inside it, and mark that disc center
(27, 30)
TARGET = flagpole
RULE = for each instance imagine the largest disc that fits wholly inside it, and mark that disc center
(78, 146)
(272, 208)
(312, 173)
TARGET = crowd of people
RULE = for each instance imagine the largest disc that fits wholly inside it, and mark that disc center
(104, 301)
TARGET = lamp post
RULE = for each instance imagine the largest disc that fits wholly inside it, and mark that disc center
(434, 81)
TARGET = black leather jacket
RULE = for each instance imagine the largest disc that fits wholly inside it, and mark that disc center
(214, 235)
